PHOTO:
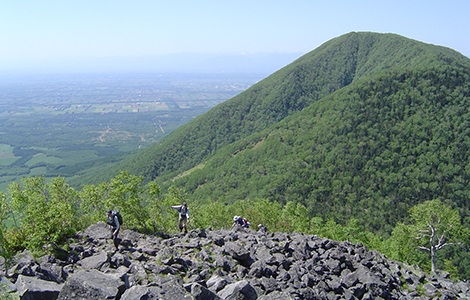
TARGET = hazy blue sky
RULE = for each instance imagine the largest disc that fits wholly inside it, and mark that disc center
(77, 29)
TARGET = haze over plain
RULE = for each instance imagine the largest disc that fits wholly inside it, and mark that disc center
(207, 35)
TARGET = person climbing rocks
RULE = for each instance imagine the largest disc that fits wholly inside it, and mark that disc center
(183, 216)
(242, 222)
(262, 228)
(114, 221)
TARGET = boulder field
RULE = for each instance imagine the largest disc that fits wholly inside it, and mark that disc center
(218, 264)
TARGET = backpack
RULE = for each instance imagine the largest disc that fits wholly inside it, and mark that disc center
(119, 217)
(246, 223)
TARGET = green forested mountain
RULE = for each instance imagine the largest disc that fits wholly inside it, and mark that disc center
(366, 125)
(371, 150)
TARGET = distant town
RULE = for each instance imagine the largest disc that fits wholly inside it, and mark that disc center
(122, 93)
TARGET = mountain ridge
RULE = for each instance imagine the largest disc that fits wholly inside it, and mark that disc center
(285, 170)
(363, 103)
(284, 92)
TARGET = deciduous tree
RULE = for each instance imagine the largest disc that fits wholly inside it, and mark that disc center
(435, 226)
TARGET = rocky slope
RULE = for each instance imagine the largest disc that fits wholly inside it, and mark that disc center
(219, 264)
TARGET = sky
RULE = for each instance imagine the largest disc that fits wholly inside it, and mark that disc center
(43, 32)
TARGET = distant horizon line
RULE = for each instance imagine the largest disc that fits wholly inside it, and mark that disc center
(236, 53)
(187, 62)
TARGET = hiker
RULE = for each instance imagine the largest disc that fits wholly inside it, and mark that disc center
(237, 220)
(114, 224)
(262, 228)
(183, 216)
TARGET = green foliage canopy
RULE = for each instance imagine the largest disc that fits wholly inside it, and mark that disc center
(44, 212)
(47, 213)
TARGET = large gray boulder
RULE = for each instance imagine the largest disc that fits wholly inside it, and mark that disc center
(201, 293)
(216, 283)
(91, 285)
(98, 232)
(237, 251)
(140, 292)
(22, 265)
(94, 262)
(50, 269)
(277, 296)
(240, 290)
(167, 291)
(31, 288)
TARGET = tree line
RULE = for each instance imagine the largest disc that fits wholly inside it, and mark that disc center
(36, 213)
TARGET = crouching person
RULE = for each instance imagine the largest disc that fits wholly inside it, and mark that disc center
(239, 221)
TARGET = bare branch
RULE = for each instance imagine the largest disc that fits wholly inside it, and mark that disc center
(424, 248)
(441, 239)
(424, 233)
(438, 247)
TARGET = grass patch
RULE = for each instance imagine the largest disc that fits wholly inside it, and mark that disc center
(200, 166)
(6, 155)
(6, 161)
(43, 158)
(39, 171)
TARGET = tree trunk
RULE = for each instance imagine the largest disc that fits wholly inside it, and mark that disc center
(433, 259)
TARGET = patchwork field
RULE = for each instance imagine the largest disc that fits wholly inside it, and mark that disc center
(60, 125)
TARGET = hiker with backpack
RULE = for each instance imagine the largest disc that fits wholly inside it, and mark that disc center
(114, 221)
(183, 216)
(242, 222)
(262, 228)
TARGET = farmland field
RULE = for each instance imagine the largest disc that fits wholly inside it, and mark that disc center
(58, 125)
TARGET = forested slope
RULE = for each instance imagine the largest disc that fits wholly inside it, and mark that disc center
(371, 151)
(366, 125)
(330, 67)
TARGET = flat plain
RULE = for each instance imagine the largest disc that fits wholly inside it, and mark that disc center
(56, 125)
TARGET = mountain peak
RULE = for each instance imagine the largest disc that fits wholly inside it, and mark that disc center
(344, 130)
